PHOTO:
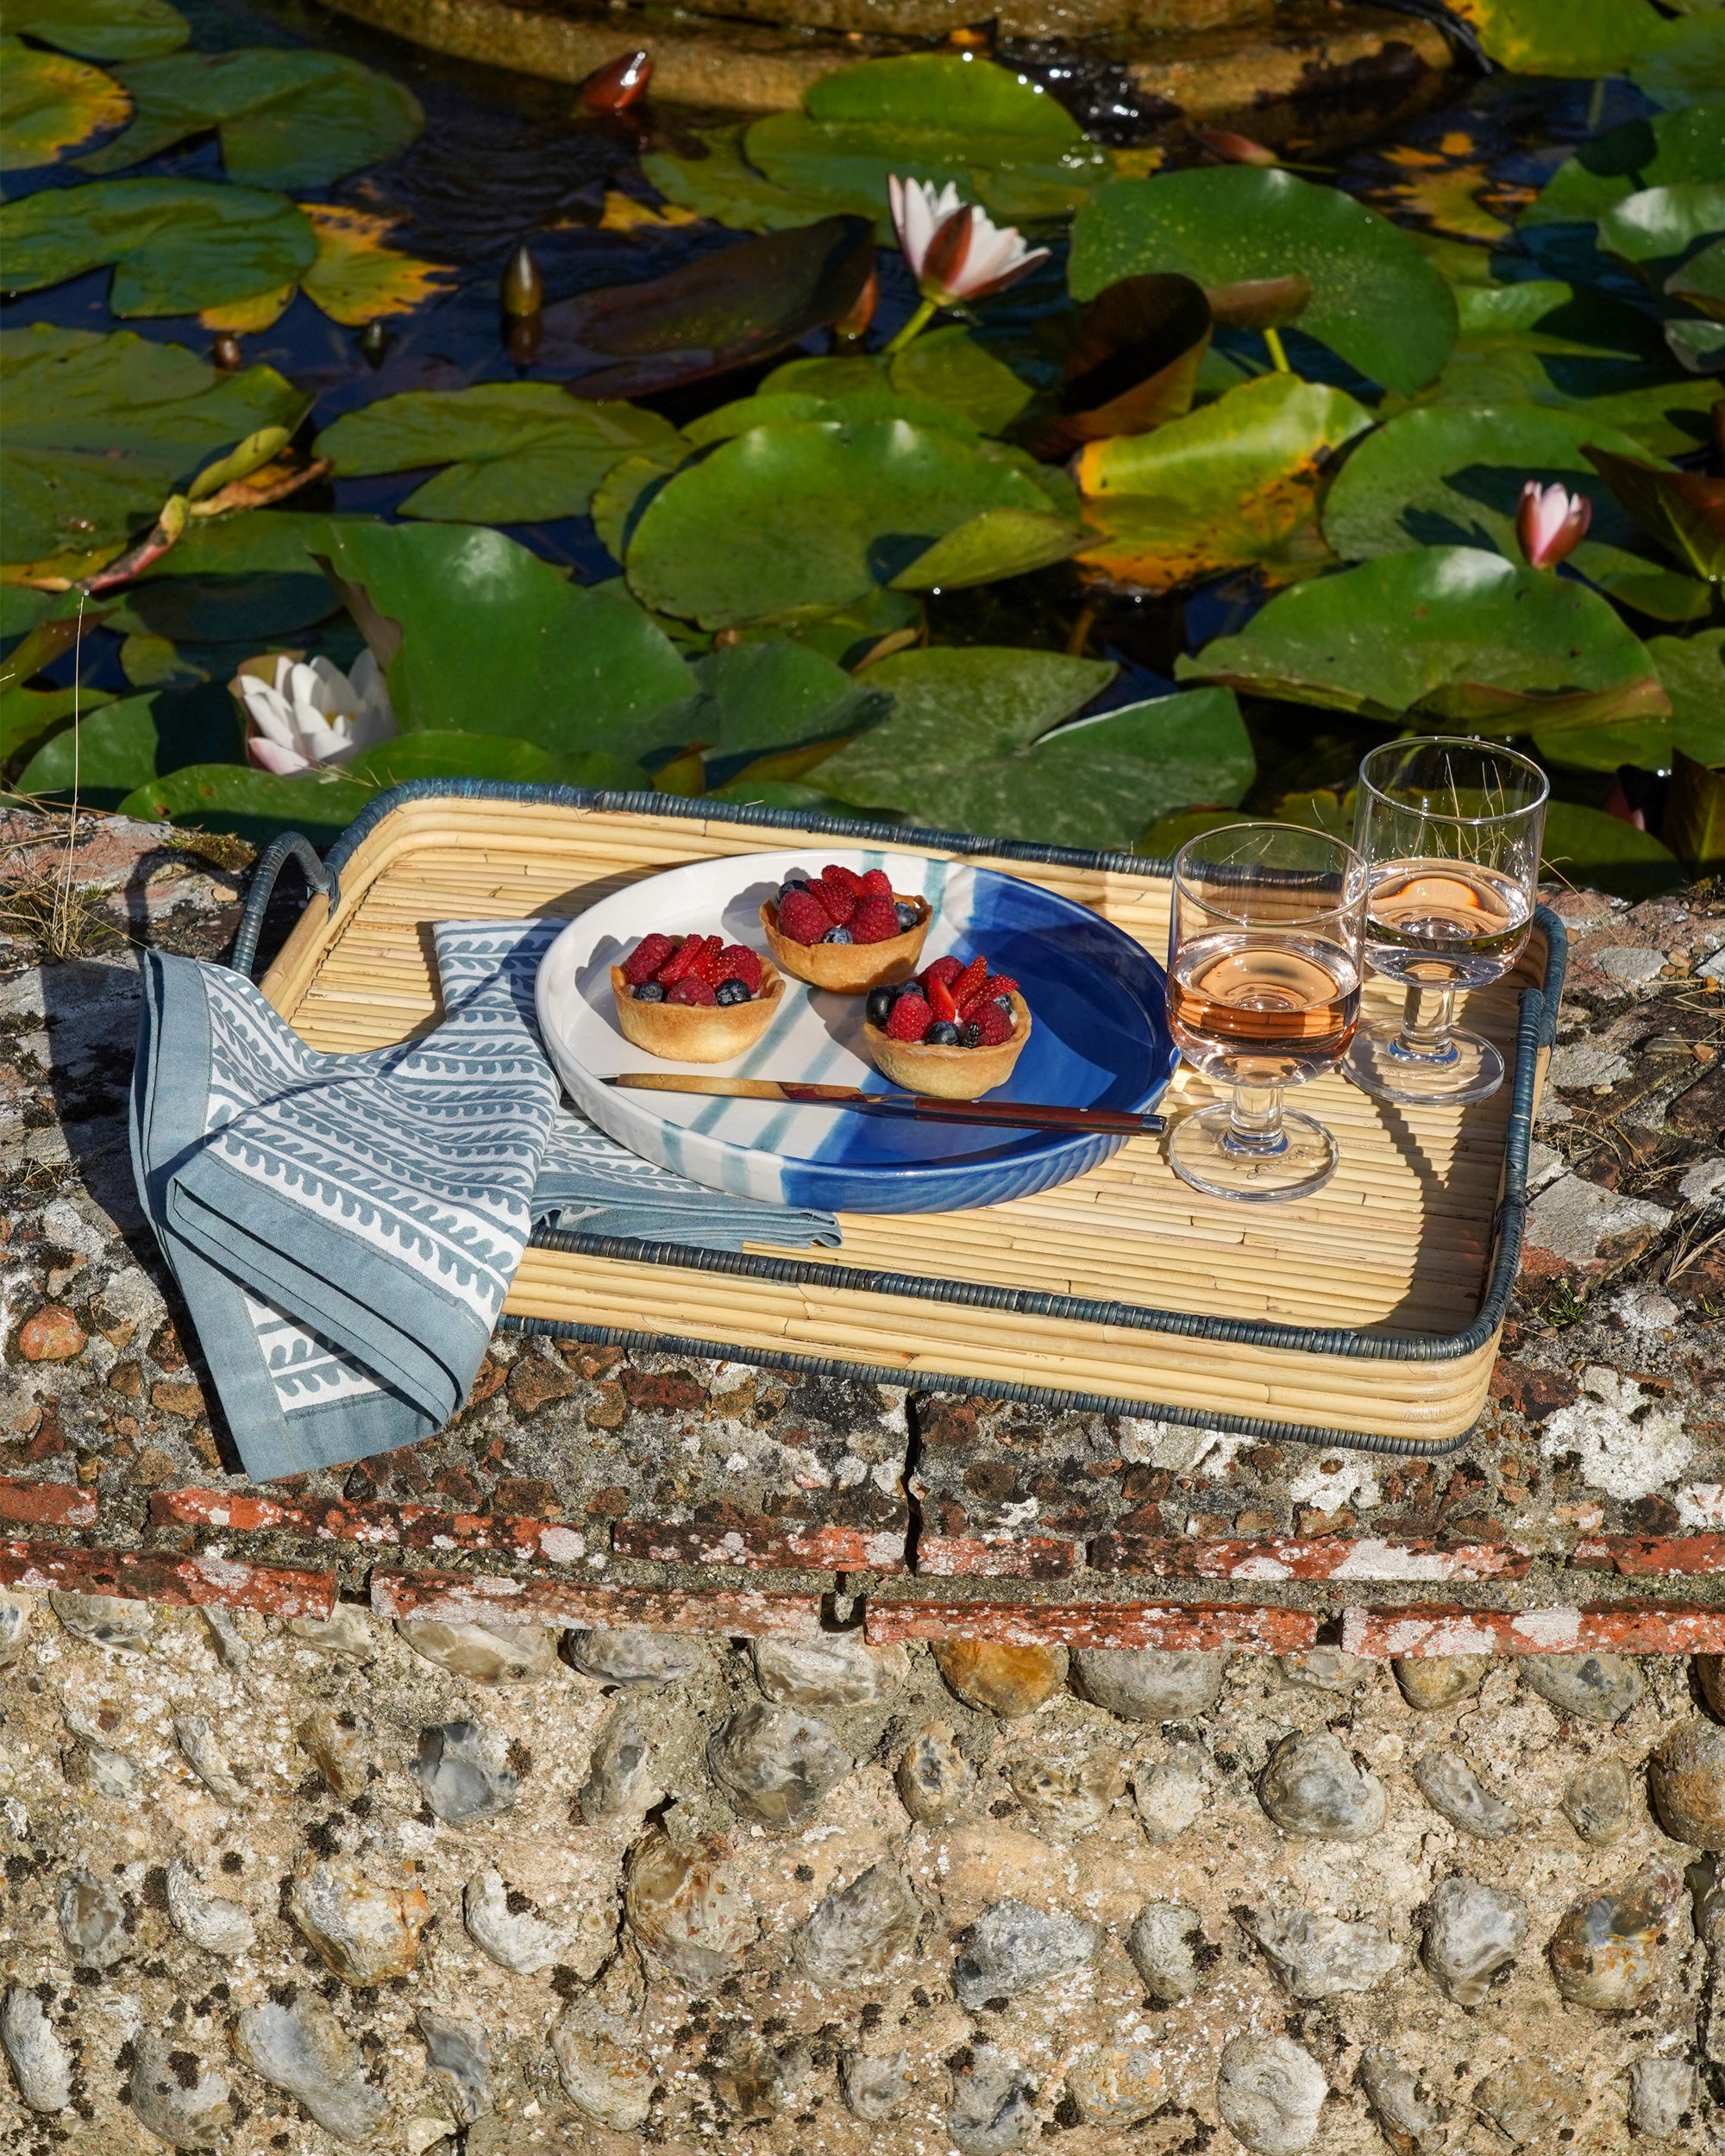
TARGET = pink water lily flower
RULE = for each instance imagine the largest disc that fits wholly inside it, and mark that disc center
(314, 714)
(955, 250)
(1551, 523)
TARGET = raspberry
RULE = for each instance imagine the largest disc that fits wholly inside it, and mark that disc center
(838, 903)
(996, 1025)
(940, 999)
(845, 878)
(997, 985)
(877, 884)
(738, 963)
(645, 960)
(945, 970)
(686, 959)
(801, 918)
(691, 989)
(910, 1018)
(968, 982)
(873, 921)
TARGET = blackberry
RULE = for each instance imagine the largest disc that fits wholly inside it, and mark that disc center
(970, 1035)
(906, 913)
(732, 991)
(649, 991)
(942, 1034)
(881, 1002)
(837, 936)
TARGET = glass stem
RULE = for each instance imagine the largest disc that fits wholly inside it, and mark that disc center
(1255, 1119)
(1426, 1030)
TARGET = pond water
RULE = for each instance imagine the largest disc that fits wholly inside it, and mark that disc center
(503, 158)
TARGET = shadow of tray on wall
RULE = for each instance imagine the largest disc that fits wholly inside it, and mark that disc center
(1367, 1315)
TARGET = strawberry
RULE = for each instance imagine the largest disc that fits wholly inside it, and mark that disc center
(845, 878)
(706, 965)
(686, 959)
(801, 918)
(838, 902)
(877, 884)
(736, 962)
(910, 1018)
(996, 1025)
(691, 989)
(645, 960)
(940, 999)
(968, 982)
(946, 969)
(873, 921)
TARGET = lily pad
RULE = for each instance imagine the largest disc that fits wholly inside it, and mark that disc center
(1684, 62)
(1684, 510)
(949, 367)
(939, 116)
(131, 742)
(1657, 227)
(176, 245)
(285, 118)
(1132, 364)
(1691, 671)
(356, 277)
(1233, 484)
(1574, 38)
(30, 717)
(50, 103)
(255, 805)
(1617, 390)
(996, 543)
(1375, 300)
(760, 697)
(1667, 149)
(1444, 477)
(798, 520)
(1694, 818)
(1701, 281)
(100, 429)
(517, 452)
(713, 178)
(435, 755)
(1585, 846)
(881, 622)
(477, 634)
(1449, 634)
(955, 705)
(722, 310)
(98, 29)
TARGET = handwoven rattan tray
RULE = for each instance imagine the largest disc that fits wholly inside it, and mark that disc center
(1370, 1313)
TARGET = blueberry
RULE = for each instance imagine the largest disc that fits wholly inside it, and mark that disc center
(970, 1035)
(732, 991)
(906, 913)
(649, 991)
(792, 883)
(1006, 1003)
(942, 1034)
(881, 1002)
(837, 936)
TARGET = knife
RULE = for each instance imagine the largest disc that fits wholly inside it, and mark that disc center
(904, 1107)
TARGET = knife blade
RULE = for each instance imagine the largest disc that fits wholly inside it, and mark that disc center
(910, 1108)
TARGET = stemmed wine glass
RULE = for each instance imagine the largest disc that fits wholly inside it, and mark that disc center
(1451, 831)
(1263, 977)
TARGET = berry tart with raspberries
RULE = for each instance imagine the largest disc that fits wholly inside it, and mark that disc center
(695, 999)
(846, 931)
(955, 1032)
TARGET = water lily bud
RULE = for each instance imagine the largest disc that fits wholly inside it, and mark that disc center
(620, 84)
(373, 343)
(523, 288)
(1551, 523)
(1234, 149)
(226, 353)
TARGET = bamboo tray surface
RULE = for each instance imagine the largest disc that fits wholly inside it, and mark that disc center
(1396, 1264)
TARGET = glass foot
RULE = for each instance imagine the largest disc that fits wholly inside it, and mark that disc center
(1205, 1152)
(1468, 1068)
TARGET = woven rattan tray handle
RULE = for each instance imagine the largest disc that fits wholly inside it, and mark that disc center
(291, 846)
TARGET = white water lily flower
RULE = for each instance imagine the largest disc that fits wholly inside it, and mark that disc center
(313, 713)
(955, 250)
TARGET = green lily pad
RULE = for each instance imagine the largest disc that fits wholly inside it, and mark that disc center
(717, 181)
(478, 635)
(1231, 486)
(1163, 839)
(437, 754)
(515, 451)
(150, 661)
(30, 717)
(1614, 391)
(255, 805)
(1587, 849)
(854, 634)
(955, 705)
(757, 697)
(98, 29)
(1701, 281)
(1684, 62)
(624, 493)
(131, 742)
(1667, 149)
(176, 245)
(1691, 671)
(939, 116)
(1656, 228)
(1133, 362)
(49, 104)
(996, 543)
(1444, 477)
(100, 429)
(798, 520)
(1574, 38)
(1684, 510)
(949, 367)
(747, 413)
(1447, 633)
(285, 118)
(1375, 300)
(1694, 818)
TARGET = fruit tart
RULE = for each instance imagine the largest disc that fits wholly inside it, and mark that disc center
(846, 931)
(695, 999)
(955, 1032)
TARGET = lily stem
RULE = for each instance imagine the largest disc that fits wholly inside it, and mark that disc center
(1278, 358)
(914, 327)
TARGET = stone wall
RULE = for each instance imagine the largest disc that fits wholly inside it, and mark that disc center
(322, 1884)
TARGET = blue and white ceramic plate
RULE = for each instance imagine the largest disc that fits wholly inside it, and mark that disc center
(1099, 1039)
